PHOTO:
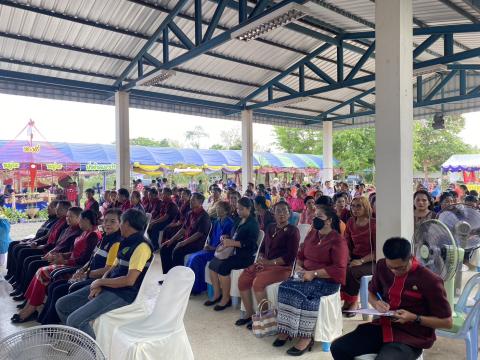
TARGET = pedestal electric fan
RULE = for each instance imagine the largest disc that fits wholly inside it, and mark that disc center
(50, 342)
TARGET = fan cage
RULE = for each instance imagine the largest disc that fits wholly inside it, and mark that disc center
(50, 342)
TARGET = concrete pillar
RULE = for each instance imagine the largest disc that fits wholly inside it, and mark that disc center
(247, 148)
(394, 119)
(327, 171)
(122, 139)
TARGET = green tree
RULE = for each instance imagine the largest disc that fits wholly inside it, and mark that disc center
(194, 136)
(355, 149)
(218, 147)
(143, 141)
(433, 147)
(299, 141)
(231, 140)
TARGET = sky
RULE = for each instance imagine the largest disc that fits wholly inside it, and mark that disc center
(68, 121)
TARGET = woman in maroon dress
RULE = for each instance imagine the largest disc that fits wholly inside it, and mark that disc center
(361, 237)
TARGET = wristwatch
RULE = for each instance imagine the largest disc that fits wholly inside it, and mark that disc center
(418, 320)
(315, 274)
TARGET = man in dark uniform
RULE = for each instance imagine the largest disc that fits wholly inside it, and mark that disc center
(418, 300)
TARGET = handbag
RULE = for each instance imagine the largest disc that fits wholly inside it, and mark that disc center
(264, 322)
(223, 253)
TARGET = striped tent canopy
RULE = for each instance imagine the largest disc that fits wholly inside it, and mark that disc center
(99, 157)
(462, 162)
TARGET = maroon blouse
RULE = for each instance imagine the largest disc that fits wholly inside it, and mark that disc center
(281, 243)
(329, 253)
(361, 239)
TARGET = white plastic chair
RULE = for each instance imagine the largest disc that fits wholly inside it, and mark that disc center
(105, 324)
(149, 219)
(304, 229)
(235, 274)
(160, 335)
(469, 329)
(373, 357)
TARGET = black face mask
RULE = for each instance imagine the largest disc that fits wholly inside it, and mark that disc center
(318, 223)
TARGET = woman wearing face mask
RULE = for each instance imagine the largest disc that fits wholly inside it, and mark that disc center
(422, 207)
(321, 268)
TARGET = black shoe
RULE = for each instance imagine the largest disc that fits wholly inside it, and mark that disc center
(11, 280)
(212, 302)
(293, 351)
(19, 297)
(223, 307)
(15, 292)
(250, 325)
(241, 322)
(17, 320)
(280, 342)
(22, 305)
(8, 277)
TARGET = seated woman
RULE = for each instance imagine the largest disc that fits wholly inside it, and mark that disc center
(274, 263)
(321, 268)
(222, 225)
(264, 216)
(119, 286)
(106, 203)
(340, 202)
(361, 237)
(244, 243)
(422, 207)
(136, 201)
(101, 261)
(82, 249)
(309, 212)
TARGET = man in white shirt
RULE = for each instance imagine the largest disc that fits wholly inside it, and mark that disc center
(328, 189)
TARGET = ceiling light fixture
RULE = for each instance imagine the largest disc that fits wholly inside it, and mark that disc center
(269, 22)
(156, 78)
(430, 69)
(289, 102)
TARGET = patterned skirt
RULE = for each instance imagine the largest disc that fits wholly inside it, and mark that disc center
(298, 304)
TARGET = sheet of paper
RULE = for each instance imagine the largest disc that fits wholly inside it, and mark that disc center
(371, 312)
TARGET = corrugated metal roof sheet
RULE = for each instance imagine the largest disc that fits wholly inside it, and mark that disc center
(93, 41)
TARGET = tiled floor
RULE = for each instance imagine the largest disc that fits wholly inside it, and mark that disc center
(213, 335)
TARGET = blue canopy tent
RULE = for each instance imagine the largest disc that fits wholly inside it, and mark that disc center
(100, 157)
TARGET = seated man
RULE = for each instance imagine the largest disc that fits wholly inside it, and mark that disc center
(41, 246)
(64, 244)
(120, 286)
(165, 213)
(41, 232)
(190, 238)
(123, 202)
(419, 304)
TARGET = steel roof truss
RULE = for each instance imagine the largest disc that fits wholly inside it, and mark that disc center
(195, 51)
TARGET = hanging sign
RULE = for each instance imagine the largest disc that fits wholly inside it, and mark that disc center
(11, 165)
(93, 166)
(31, 149)
(54, 166)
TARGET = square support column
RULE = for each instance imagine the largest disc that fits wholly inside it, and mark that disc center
(394, 119)
(122, 139)
(247, 148)
(327, 170)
